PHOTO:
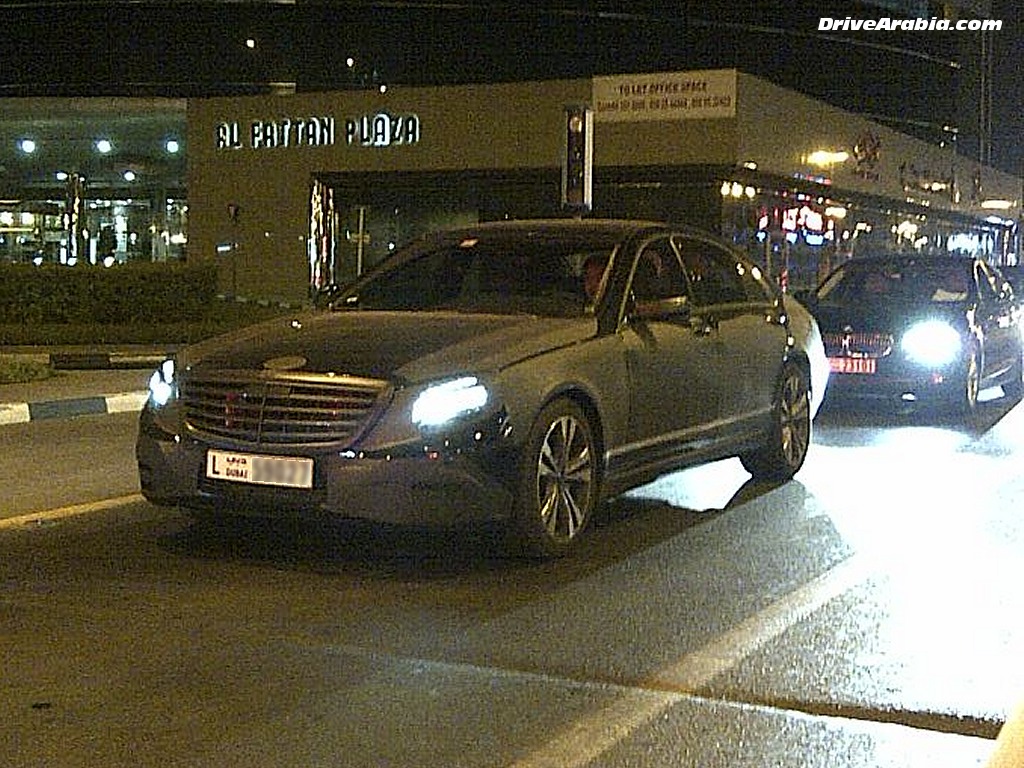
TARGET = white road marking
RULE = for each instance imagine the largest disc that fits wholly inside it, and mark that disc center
(61, 513)
(120, 402)
(587, 739)
(126, 401)
(14, 413)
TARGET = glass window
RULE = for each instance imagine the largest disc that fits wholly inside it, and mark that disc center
(658, 275)
(543, 277)
(715, 275)
(899, 280)
(988, 285)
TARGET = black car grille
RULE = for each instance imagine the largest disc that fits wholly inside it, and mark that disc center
(280, 410)
(857, 344)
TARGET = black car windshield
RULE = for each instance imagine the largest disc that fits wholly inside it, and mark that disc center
(901, 281)
(501, 276)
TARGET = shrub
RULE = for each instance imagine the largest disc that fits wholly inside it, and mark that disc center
(140, 303)
(137, 292)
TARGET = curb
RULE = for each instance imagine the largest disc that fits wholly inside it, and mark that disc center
(22, 413)
(81, 403)
(93, 361)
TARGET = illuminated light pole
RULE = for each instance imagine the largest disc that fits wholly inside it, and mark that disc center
(578, 160)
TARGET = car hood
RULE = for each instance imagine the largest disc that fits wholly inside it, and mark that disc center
(399, 346)
(884, 318)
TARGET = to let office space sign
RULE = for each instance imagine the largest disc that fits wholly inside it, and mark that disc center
(697, 95)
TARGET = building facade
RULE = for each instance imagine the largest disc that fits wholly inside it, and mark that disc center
(291, 193)
(92, 180)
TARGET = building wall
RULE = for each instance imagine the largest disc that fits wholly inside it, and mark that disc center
(673, 135)
(509, 126)
(666, 119)
(780, 128)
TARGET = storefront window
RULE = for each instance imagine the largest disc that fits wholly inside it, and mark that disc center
(108, 232)
(358, 220)
(799, 238)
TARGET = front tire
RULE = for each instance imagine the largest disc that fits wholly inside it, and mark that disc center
(558, 480)
(790, 435)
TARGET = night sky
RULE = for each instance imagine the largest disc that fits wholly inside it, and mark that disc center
(191, 49)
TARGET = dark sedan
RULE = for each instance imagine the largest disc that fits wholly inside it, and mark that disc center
(919, 329)
(522, 371)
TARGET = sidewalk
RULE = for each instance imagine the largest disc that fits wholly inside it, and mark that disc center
(88, 380)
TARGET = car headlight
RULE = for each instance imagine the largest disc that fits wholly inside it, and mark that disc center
(932, 343)
(162, 385)
(441, 403)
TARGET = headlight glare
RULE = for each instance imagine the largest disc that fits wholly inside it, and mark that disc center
(440, 403)
(162, 384)
(931, 343)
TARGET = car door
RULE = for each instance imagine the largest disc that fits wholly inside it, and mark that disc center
(732, 300)
(672, 359)
(998, 323)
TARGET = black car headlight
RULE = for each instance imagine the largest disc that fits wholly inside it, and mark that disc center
(447, 401)
(163, 386)
(933, 343)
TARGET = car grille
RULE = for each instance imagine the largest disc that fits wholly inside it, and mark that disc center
(280, 410)
(857, 344)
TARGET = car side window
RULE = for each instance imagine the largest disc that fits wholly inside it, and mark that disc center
(997, 287)
(658, 275)
(715, 275)
(987, 289)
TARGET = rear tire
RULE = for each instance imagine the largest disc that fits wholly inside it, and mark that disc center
(790, 435)
(1014, 388)
(558, 480)
(971, 385)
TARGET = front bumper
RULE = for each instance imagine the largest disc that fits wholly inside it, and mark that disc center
(417, 485)
(906, 385)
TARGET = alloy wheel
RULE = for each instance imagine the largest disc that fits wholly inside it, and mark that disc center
(972, 383)
(786, 443)
(794, 418)
(564, 478)
(558, 484)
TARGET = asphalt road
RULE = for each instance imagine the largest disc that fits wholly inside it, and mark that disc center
(867, 614)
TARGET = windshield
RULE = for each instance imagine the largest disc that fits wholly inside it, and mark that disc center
(915, 282)
(548, 277)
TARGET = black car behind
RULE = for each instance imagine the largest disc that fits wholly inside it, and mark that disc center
(918, 329)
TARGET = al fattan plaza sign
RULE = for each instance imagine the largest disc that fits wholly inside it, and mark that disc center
(378, 130)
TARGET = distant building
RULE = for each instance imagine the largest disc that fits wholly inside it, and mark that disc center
(294, 193)
(912, 111)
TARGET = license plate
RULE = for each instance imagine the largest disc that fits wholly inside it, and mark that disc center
(852, 364)
(285, 471)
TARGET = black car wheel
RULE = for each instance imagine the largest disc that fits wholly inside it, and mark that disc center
(971, 384)
(558, 480)
(790, 435)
